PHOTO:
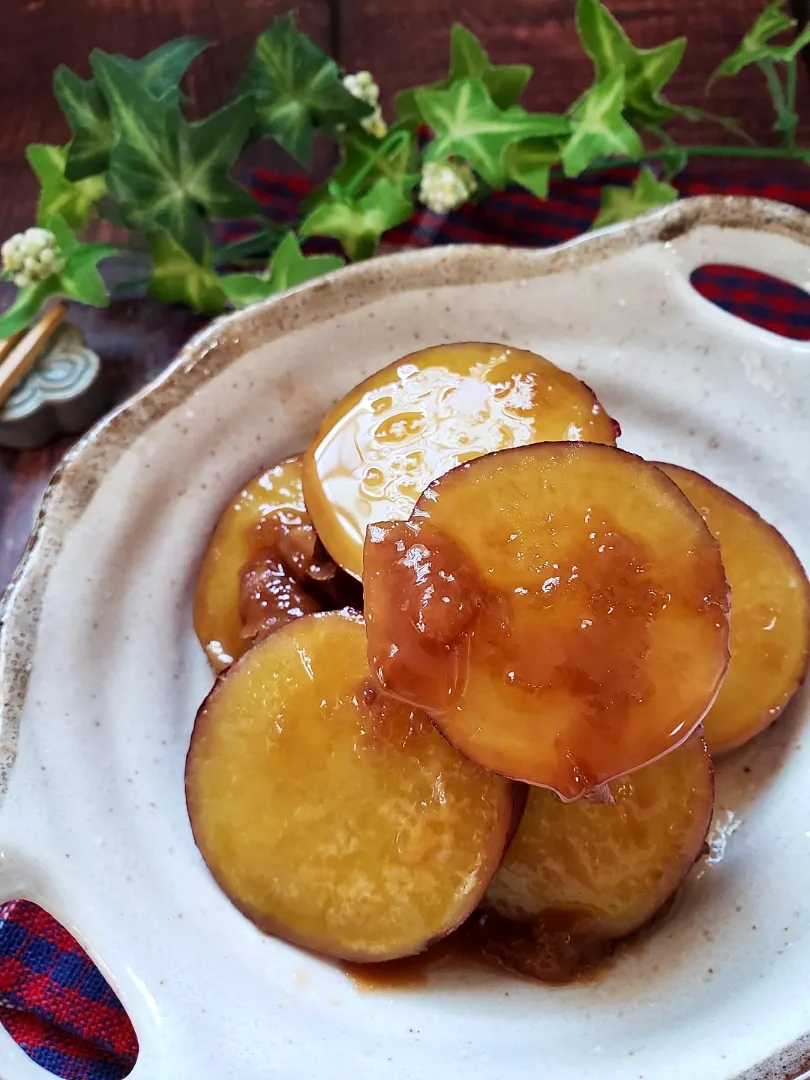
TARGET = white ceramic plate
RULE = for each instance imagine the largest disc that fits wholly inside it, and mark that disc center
(101, 675)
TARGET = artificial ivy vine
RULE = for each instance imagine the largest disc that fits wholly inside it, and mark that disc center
(135, 159)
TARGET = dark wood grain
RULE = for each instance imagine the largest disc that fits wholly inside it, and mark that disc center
(402, 41)
(407, 41)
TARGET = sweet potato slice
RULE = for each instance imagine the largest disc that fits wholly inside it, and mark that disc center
(770, 614)
(263, 566)
(333, 817)
(560, 609)
(577, 874)
(378, 449)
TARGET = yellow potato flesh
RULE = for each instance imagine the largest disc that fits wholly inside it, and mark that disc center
(235, 540)
(378, 449)
(770, 614)
(583, 631)
(332, 817)
(607, 865)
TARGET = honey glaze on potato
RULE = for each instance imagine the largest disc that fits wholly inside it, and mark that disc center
(334, 817)
(378, 449)
(577, 875)
(560, 609)
(770, 625)
(264, 566)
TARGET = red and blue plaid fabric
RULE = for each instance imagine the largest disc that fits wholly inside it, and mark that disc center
(56, 1005)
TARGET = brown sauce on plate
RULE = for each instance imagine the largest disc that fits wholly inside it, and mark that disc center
(547, 951)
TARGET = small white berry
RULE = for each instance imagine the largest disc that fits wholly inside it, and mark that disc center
(446, 186)
(12, 254)
(31, 256)
(375, 124)
(35, 239)
(362, 85)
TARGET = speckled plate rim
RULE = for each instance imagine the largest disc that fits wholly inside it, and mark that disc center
(223, 341)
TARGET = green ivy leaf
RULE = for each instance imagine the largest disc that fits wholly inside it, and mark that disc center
(161, 72)
(366, 159)
(58, 195)
(245, 289)
(256, 247)
(88, 113)
(295, 88)
(78, 280)
(646, 71)
(600, 129)
(177, 278)
(288, 268)
(359, 224)
(166, 172)
(94, 133)
(468, 59)
(529, 163)
(624, 203)
(27, 304)
(468, 124)
(756, 47)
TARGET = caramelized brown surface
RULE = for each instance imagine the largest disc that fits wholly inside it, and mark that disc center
(581, 632)
(378, 449)
(770, 618)
(269, 598)
(332, 816)
(577, 874)
(264, 566)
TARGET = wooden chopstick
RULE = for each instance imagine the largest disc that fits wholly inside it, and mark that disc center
(19, 352)
(7, 344)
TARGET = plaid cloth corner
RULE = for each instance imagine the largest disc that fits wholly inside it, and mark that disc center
(56, 1004)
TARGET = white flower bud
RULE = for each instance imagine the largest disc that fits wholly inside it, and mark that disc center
(446, 186)
(31, 256)
(362, 86)
(375, 124)
(12, 254)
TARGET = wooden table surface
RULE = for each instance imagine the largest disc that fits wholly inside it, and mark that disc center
(402, 41)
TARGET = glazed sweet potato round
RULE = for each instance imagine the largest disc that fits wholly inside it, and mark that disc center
(770, 614)
(583, 873)
(378, 449)
(333, 817)
(561, 610)
(262, 567)
(609, 862)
